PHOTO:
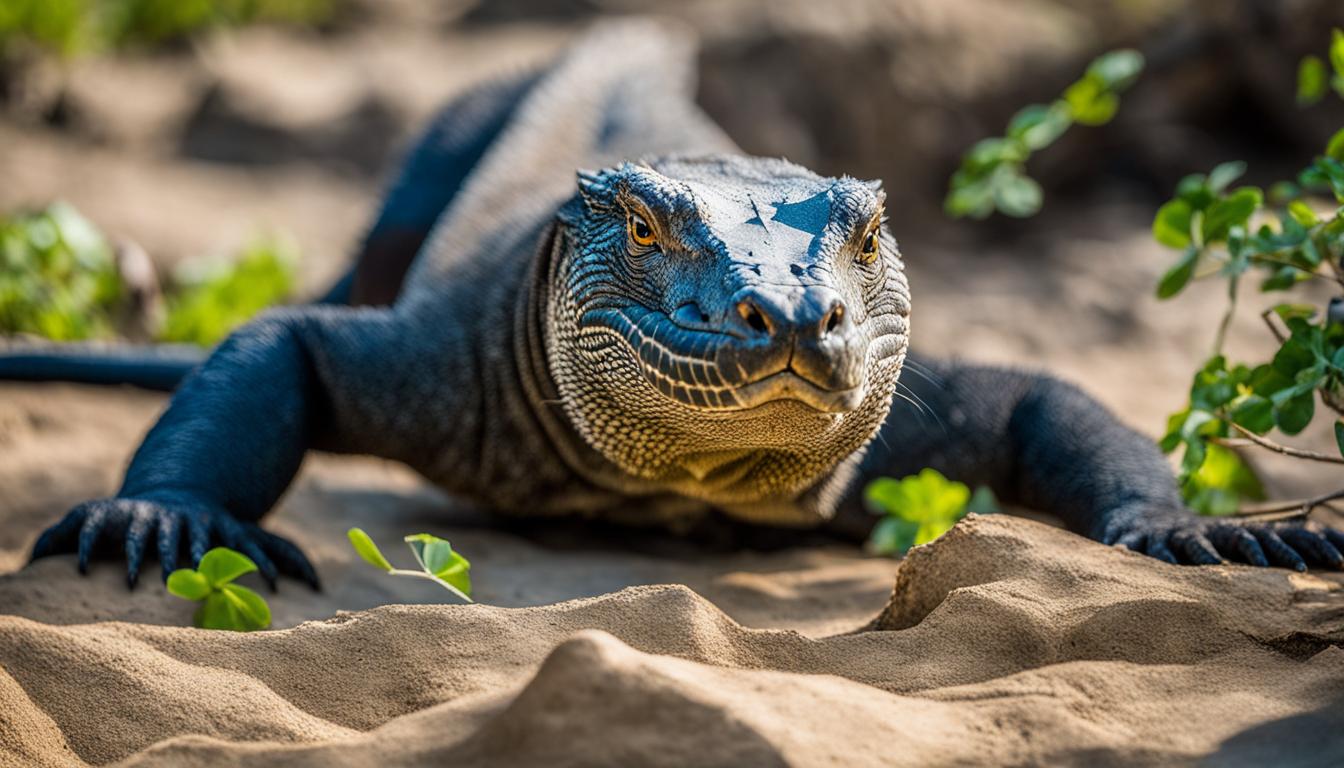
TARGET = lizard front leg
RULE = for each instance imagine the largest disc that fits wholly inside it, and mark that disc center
(228, 446)
(1043, 444)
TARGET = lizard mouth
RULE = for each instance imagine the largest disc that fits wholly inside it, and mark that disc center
(714, 371)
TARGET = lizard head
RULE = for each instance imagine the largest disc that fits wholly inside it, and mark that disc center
(730, 328)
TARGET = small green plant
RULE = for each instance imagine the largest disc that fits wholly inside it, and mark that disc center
(993, 173)
(1290, 236)
(211, 301)
(58, 277)
(70, 28)
(224, 605)
(438, 561)
(919, 508)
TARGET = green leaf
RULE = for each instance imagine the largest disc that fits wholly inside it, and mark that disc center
(1224, 174)
(437, 558)
(1228, 476)
(1254, 412)
(925, 497)
(233, 607)
(983, 502)
(251, 608)
(187, 583)
(1176, 278)
(1194, 189)
(892, 536)
(1234, 209)
(1300, 311)
(1017, 195)
(927, 532)
(1117, 69)
(1090, 103)
(221, 565)
(367, 549)
(433, 553)
(974, 199)
(1335, 148)
(1171, 226)
(1302, 213)
(1038, 126)
(1337, 51)
(1311, 80)
(1295, 413)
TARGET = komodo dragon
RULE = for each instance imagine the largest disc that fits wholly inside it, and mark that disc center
(684, 330)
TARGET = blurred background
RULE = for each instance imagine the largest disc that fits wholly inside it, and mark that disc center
(230, 154)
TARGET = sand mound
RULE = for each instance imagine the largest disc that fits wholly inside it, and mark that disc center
(1006, 642)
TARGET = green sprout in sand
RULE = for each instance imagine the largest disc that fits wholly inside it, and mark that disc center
(438, 562)
(224, 605)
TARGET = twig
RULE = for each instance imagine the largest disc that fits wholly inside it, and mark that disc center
(1272, 328)
(1296, 508)
(1299, 268)
(1227, 315)
(1297, 453)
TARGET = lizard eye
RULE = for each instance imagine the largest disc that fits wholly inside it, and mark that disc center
(868, 253)
(641, 233)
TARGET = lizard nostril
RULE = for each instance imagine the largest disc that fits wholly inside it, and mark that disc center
(835, 317)
(753, 315)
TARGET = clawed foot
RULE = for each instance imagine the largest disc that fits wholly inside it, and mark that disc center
(139, 521)
(1193, 540)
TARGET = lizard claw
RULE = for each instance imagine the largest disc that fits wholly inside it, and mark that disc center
(91, 525)
(1189, 540)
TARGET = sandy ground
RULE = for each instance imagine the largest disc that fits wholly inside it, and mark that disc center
(1007, 642)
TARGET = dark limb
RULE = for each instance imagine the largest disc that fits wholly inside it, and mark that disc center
(1043, 444)
(229, 444)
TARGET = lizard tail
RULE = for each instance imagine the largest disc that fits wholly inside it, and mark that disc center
(159, 367)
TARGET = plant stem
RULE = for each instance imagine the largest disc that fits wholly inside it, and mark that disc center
(1272, 328)
(1299, 268)
(433, 578)
(1297, 453)
(1298, 507)
(1227, 315)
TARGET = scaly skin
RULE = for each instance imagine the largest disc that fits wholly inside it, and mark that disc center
(684, 330)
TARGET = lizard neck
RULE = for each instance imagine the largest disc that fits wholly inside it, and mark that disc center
(541, 393)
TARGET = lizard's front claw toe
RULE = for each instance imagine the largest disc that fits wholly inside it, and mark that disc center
(1191, 540)
(138, 521)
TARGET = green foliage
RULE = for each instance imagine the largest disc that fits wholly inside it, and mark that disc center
(1312, 77)
(224, 605)
(993, 173)
(218, 299)
(58, 277)
(72, 27)
(1229, 234)
(437, 559)
(920, 508)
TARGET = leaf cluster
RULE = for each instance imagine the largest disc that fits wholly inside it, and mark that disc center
(1283, 237)
(919, 508)
(58, 277)
(437, 559)
(69, 28)
(205, 307)
(224, 605)
(993, 174)
(1313, 78)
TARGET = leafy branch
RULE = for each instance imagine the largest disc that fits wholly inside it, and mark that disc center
(1293, 234)
(993, 173)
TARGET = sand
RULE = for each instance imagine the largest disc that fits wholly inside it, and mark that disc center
(1006, 642)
